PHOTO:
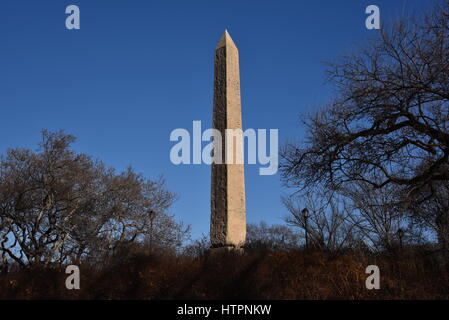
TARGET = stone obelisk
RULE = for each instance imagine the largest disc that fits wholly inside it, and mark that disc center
(228, 214)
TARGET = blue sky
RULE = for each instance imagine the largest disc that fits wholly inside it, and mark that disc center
(138, 69)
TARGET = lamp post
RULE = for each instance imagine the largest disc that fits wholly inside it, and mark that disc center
(305, 214)
(152, 214)
(400, 235)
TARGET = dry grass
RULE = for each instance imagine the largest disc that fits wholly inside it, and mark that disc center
(256, 275)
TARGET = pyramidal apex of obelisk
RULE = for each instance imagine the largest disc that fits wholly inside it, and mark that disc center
(226, 40)
(228, 213)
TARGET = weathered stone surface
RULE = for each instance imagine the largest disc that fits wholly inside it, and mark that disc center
(228, 216)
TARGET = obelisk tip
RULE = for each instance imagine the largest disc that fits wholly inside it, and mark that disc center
(225, 40)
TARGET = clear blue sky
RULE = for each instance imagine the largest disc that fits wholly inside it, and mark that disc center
(138, 69)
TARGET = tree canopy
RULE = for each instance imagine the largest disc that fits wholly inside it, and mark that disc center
(389, 117)
(57, 205)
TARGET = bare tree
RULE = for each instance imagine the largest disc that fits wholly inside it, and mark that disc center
(327, 224)
(432, 211)
(198, 248)
(390, 115)
(379, 215)
(57, 205)
(271, 237)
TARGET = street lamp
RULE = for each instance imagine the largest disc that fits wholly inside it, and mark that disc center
(400, 235)
(152, 214)
(305, 214)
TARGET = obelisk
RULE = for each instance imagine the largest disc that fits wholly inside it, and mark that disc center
(228, 214)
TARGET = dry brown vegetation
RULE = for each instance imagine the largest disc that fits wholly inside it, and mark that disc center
(411, 274)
